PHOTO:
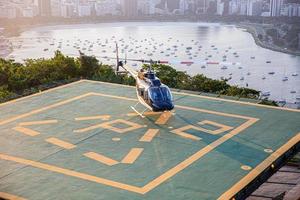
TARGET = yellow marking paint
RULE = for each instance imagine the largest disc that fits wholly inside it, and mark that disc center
(181, 166)
(149, 135)
(151, 185)
(206, 97)
(113, 96)
(26, 131)
(180, 132)
(246, 167)
(213, 112)
(60, 143)
(43, 92)
(71, 173)
(163, 118)
(180, 93)
(88, 128)
(223, 128)
(132, 126)
(8, 196)
(259, 168)
(116, 139)
(43, 109)
(100, 158)
(109, 125)
(102, 117)
(38, 122)
(133, 154)
(154, 183)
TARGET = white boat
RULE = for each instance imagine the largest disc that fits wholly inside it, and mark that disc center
(285, 78)
(265, 94)
(295, 74)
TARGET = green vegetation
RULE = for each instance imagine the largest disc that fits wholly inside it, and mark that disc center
(285, 36)
(200, 83)
(22, 79)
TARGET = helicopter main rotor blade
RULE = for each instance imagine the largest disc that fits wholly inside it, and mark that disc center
(191, 62)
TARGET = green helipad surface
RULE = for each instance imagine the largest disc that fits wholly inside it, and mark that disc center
(82, 141)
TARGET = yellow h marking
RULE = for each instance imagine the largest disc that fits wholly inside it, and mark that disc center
(100, 158)
(26, 131)
(38, 122)
(163, 118)
(132, 155)
(60, 143)
(103, 117)
(149, 135)
(10, 196)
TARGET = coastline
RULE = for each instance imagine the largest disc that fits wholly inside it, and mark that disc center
(251, 28)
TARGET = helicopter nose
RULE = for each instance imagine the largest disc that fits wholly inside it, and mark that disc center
(162, 106)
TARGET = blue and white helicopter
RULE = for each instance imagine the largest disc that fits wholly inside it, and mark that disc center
(151, 93)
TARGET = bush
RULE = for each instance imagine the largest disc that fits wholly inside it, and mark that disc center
(18, 78)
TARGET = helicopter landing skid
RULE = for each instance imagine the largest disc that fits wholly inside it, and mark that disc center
(137, 112)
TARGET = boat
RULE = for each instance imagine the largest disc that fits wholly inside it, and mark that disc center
(271, 73)
(293, 92)
(242, 78)
(282, 101)
(285, 78)
(224, 67)
(295, 74)
(268, 61)
(203, 66)
(265, 94)
(46, 49)
(263, 78)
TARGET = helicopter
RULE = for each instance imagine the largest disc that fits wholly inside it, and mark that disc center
(151, 92)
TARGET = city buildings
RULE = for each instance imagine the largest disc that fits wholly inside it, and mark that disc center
(135, 8)
(44, 8)
(129, 8)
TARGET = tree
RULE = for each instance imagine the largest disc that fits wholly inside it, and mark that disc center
(88, 65)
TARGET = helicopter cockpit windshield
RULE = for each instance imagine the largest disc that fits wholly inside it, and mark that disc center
(159, 94)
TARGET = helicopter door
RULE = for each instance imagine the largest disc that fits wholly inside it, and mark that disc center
(141, 92)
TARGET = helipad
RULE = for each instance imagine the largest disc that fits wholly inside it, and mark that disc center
(82, 141)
